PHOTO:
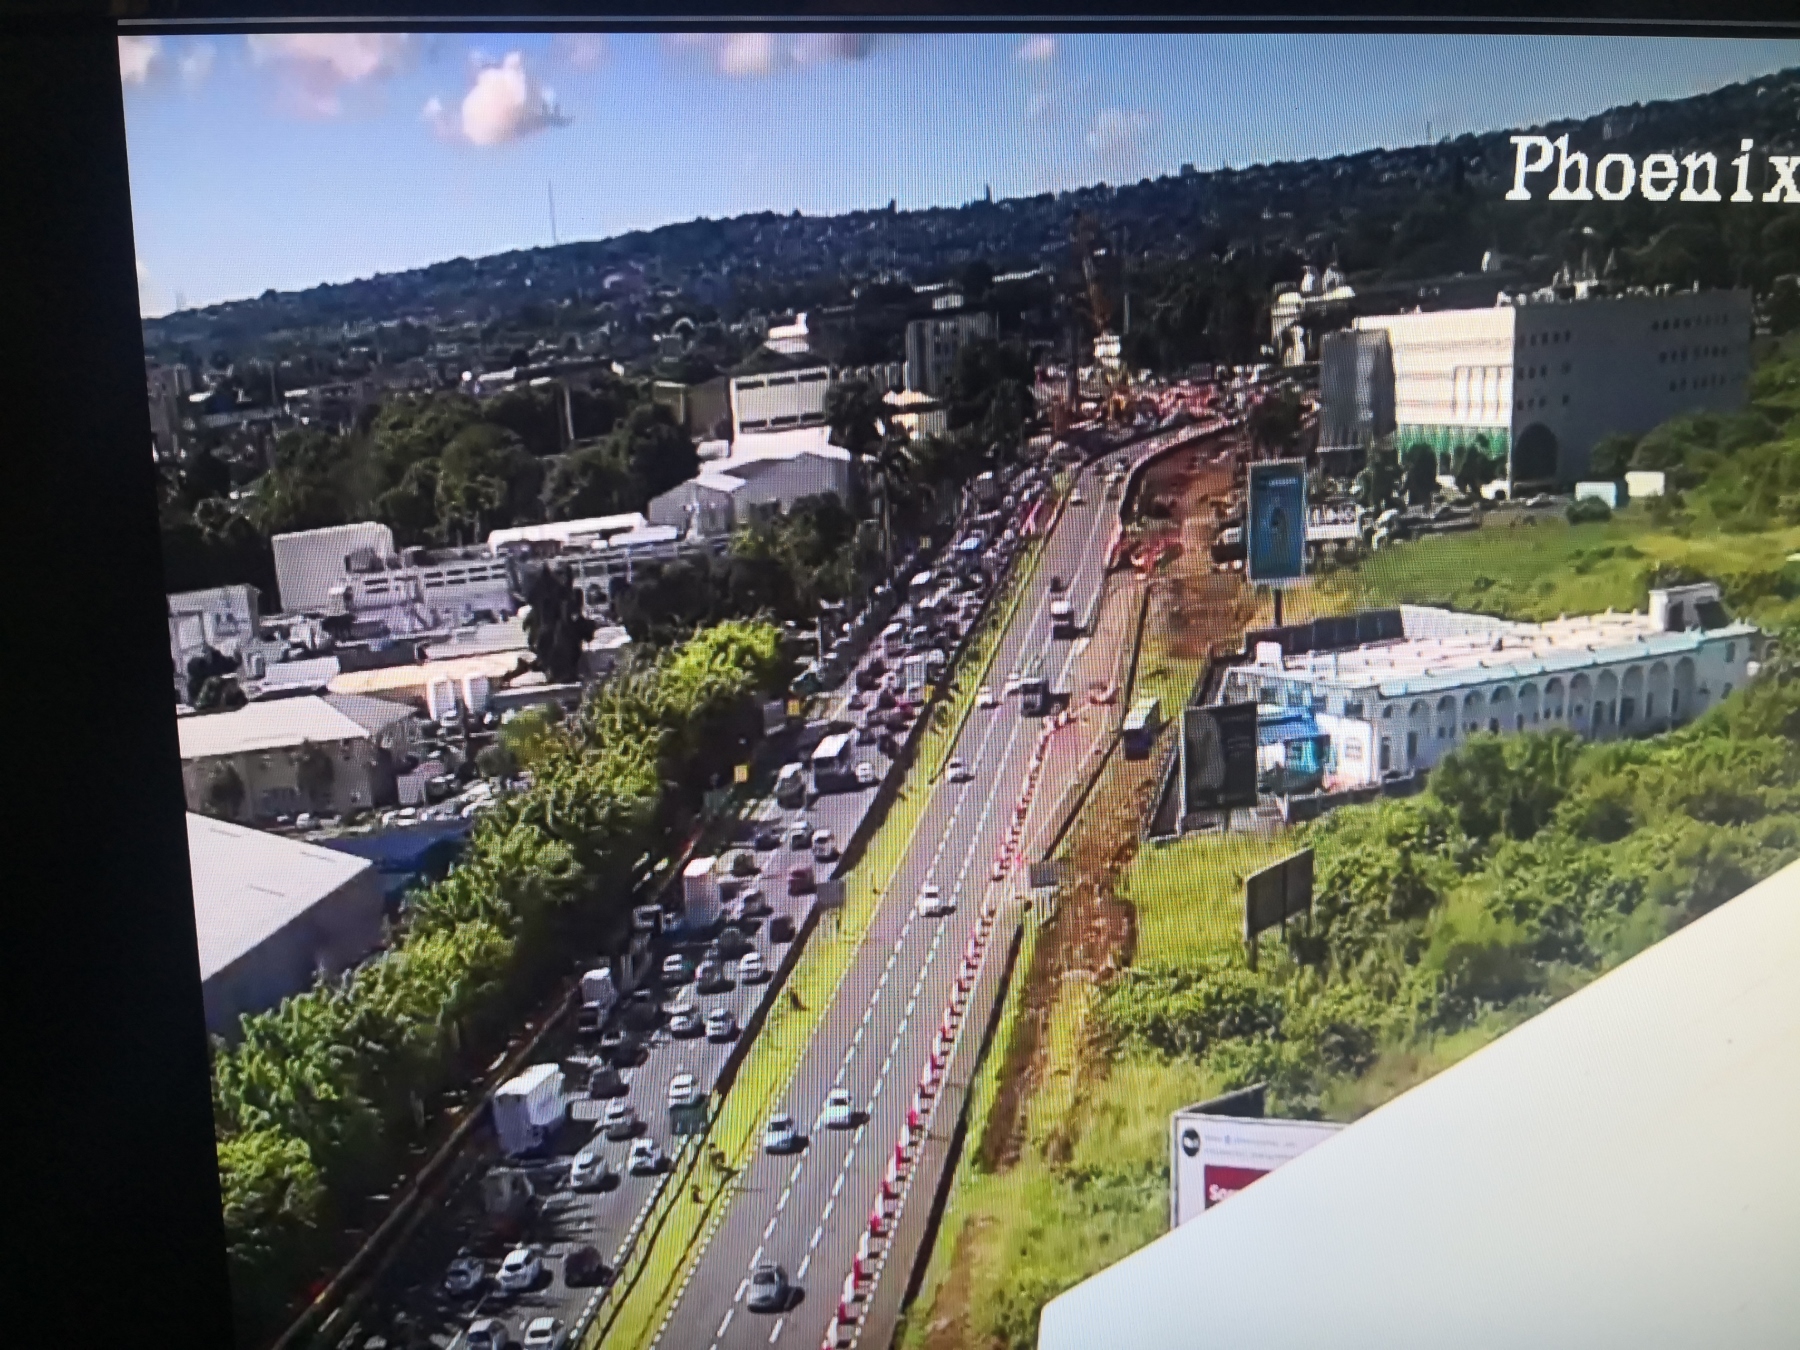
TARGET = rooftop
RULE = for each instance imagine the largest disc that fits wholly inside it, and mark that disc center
(564, 531)
(249, 885)
(286, 722)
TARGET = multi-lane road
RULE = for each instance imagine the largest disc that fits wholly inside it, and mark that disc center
(808, 1211)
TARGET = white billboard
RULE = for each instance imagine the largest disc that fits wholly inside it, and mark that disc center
(1213, 1157)
(1333, 520)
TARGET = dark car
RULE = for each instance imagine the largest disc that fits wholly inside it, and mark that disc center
(743, 864)
(465, 1275)
(1058, 585)
(641, 1012)
(769, 1288)
(767, 838)
(732, 943)
(620, 1047)
(686, 1022)
(801, 881)
(781, 928)
(589, 1020)
(889, 745)
(710, 976)
(583, 1268)
(604, 1081)
(752, 905)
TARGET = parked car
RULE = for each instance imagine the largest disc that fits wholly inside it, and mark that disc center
(743, 864)
(721, 1025)
(838, 1113)
(465, 1275)
(544, 1333)
(781, 1135)
(684, 1089)
(1058, 585)
(801, 881)
(488, 1333)
(620, 1047)
(641, 1011)
(732, 943)
(646, 1158)
(769, 1288)
(685, 1021)
(799, 835)
(619, 1120)
(781, 928)
(522, 1269)
(824, 847)
(752, 905)
(604, 1081)
(984, 697)
(588, 1169)
(676, 969)
(751, 969)
(584, 1267)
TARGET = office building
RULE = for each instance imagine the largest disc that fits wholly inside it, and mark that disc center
(933, 346)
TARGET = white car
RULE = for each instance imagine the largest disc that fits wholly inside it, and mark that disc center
(780, 1135)
(984, 697)
(1075, 498)
(865, 774)
(487, 1333)
(958, 772)
(588, 1170)
(1011, 687)
(522, 1269)
(751, 968)
(544, 1333)
(646, 1158)
(684, 1089)
(838, 1113)
(931, 901)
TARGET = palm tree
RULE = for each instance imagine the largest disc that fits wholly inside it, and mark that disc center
(889, 467)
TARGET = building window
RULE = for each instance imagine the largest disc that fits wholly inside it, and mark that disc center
(1353, 707)
(1730, 652)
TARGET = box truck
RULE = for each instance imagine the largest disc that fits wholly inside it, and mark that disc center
(527, 1109)
(700, 892)
(599, 996)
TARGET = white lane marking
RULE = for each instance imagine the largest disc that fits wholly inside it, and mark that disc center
(805, 1265)
(795, 1174)
(781, 1204)
(724, 1322)
(813, 1243)
(837, 1185)
(829, 1206)
(742, 1286)
(756, 1258)
(775, 1335)
(773, 1219)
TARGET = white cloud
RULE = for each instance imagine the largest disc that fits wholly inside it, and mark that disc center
(751, 55)
(1040, 47)
(1118, 129)
(139, 59)
(315, 67)
(504, 104)
(580, 51)
(197, 63)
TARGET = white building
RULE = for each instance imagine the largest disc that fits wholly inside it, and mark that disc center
(222, 618)
(779, 401)
(570, 534)
(308, 563)
(933, 345)
(1535, 385)
(354, 570)
(1618, 1171)
(764, 475)
(790, 339)
(920, 414)
(271, 915)
(1399, 707)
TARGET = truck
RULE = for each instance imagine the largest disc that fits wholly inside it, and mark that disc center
(834, 763)
(700, 892)
(599, 996)
(1062, 619)
(790, 785)
(527, 1109)
(916, 674)
(1034, 690)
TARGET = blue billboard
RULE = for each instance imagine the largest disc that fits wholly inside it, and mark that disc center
(1275, 523)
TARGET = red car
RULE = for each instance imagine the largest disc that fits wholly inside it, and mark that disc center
(801, 881)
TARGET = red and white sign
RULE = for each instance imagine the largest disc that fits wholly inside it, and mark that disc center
(1212, 1158)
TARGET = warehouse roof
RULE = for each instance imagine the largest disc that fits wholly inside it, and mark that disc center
(249, 885)
(286, 722)
(1617, 1171)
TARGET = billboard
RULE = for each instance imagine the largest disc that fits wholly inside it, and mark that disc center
(1275, 523)
(1333, 520)
(1211, 1158)
(1218, 757)
(1279, 892)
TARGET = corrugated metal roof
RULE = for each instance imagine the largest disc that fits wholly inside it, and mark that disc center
(285, 723)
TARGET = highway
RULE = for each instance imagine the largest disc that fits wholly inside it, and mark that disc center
(808, 1211)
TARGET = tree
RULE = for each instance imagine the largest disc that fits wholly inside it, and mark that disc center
(593, 480)
(1419, 473)
(655, 450)
(224, 793)
(209, 663)
(486, 481)
(1274, 423)
(1473, 470)
(1611, 456)
(1507, 784)
(314, 774)
(555, 625)
(1379, 482)
(856, 414)
(888, 468)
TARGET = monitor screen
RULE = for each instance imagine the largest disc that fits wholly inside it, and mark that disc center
(696, 566)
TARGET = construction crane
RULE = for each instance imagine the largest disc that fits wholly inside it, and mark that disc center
(1101, 269)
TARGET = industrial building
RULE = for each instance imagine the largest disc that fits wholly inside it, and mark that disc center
(221, 618)
(765, 474)
(271, 915)
(1617, 1171)
(780, 401)
(933, 345)
(1399, 706)
(261, 761)
(1533, 382)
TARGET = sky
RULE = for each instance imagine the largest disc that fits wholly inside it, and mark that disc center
(282, 160)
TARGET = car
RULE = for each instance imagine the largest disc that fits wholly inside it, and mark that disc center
(619, 1047)
(583, 1267)
(769, 1289)
(824, 847)
(838, 1113)
(1058, 585)
(931, 901)
(743, 864)
(641, 1011)
(767, 838)
(588, 1169)
(684, 1089)
(465, 1275)
(604, 1081)
(709, 976)
(685, 1021)
(544, 1333)
(521, 1270)
(619, 1120)
(751, 968)
(589, 1020)
(487, 1333)
(721, 1025)
(677, 969)
(305, 821)
(1075, 498)
(752, 904)
(646, 1158)
(869, 732)
(801, 881)
(732, 943)
(984, 697)
(799, 835)
(781, 928)
(865, 774)
(781, 1134)
(958, 772)
(1013, 681)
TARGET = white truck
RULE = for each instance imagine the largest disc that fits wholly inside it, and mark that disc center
(528, 1108)
(917, 672)
(1062, 619)
(700, 892)
(599, 996)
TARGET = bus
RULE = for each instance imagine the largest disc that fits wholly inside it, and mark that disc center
(834, 763)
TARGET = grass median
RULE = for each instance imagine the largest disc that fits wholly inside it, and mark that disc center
(688, 1213)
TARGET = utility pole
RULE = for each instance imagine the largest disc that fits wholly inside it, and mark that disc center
(550, 191)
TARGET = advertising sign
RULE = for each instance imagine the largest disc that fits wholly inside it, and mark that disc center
(1279, 892)
(1275, 523)
(1218, 757)
(1211, 1158)
(1333, 520)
